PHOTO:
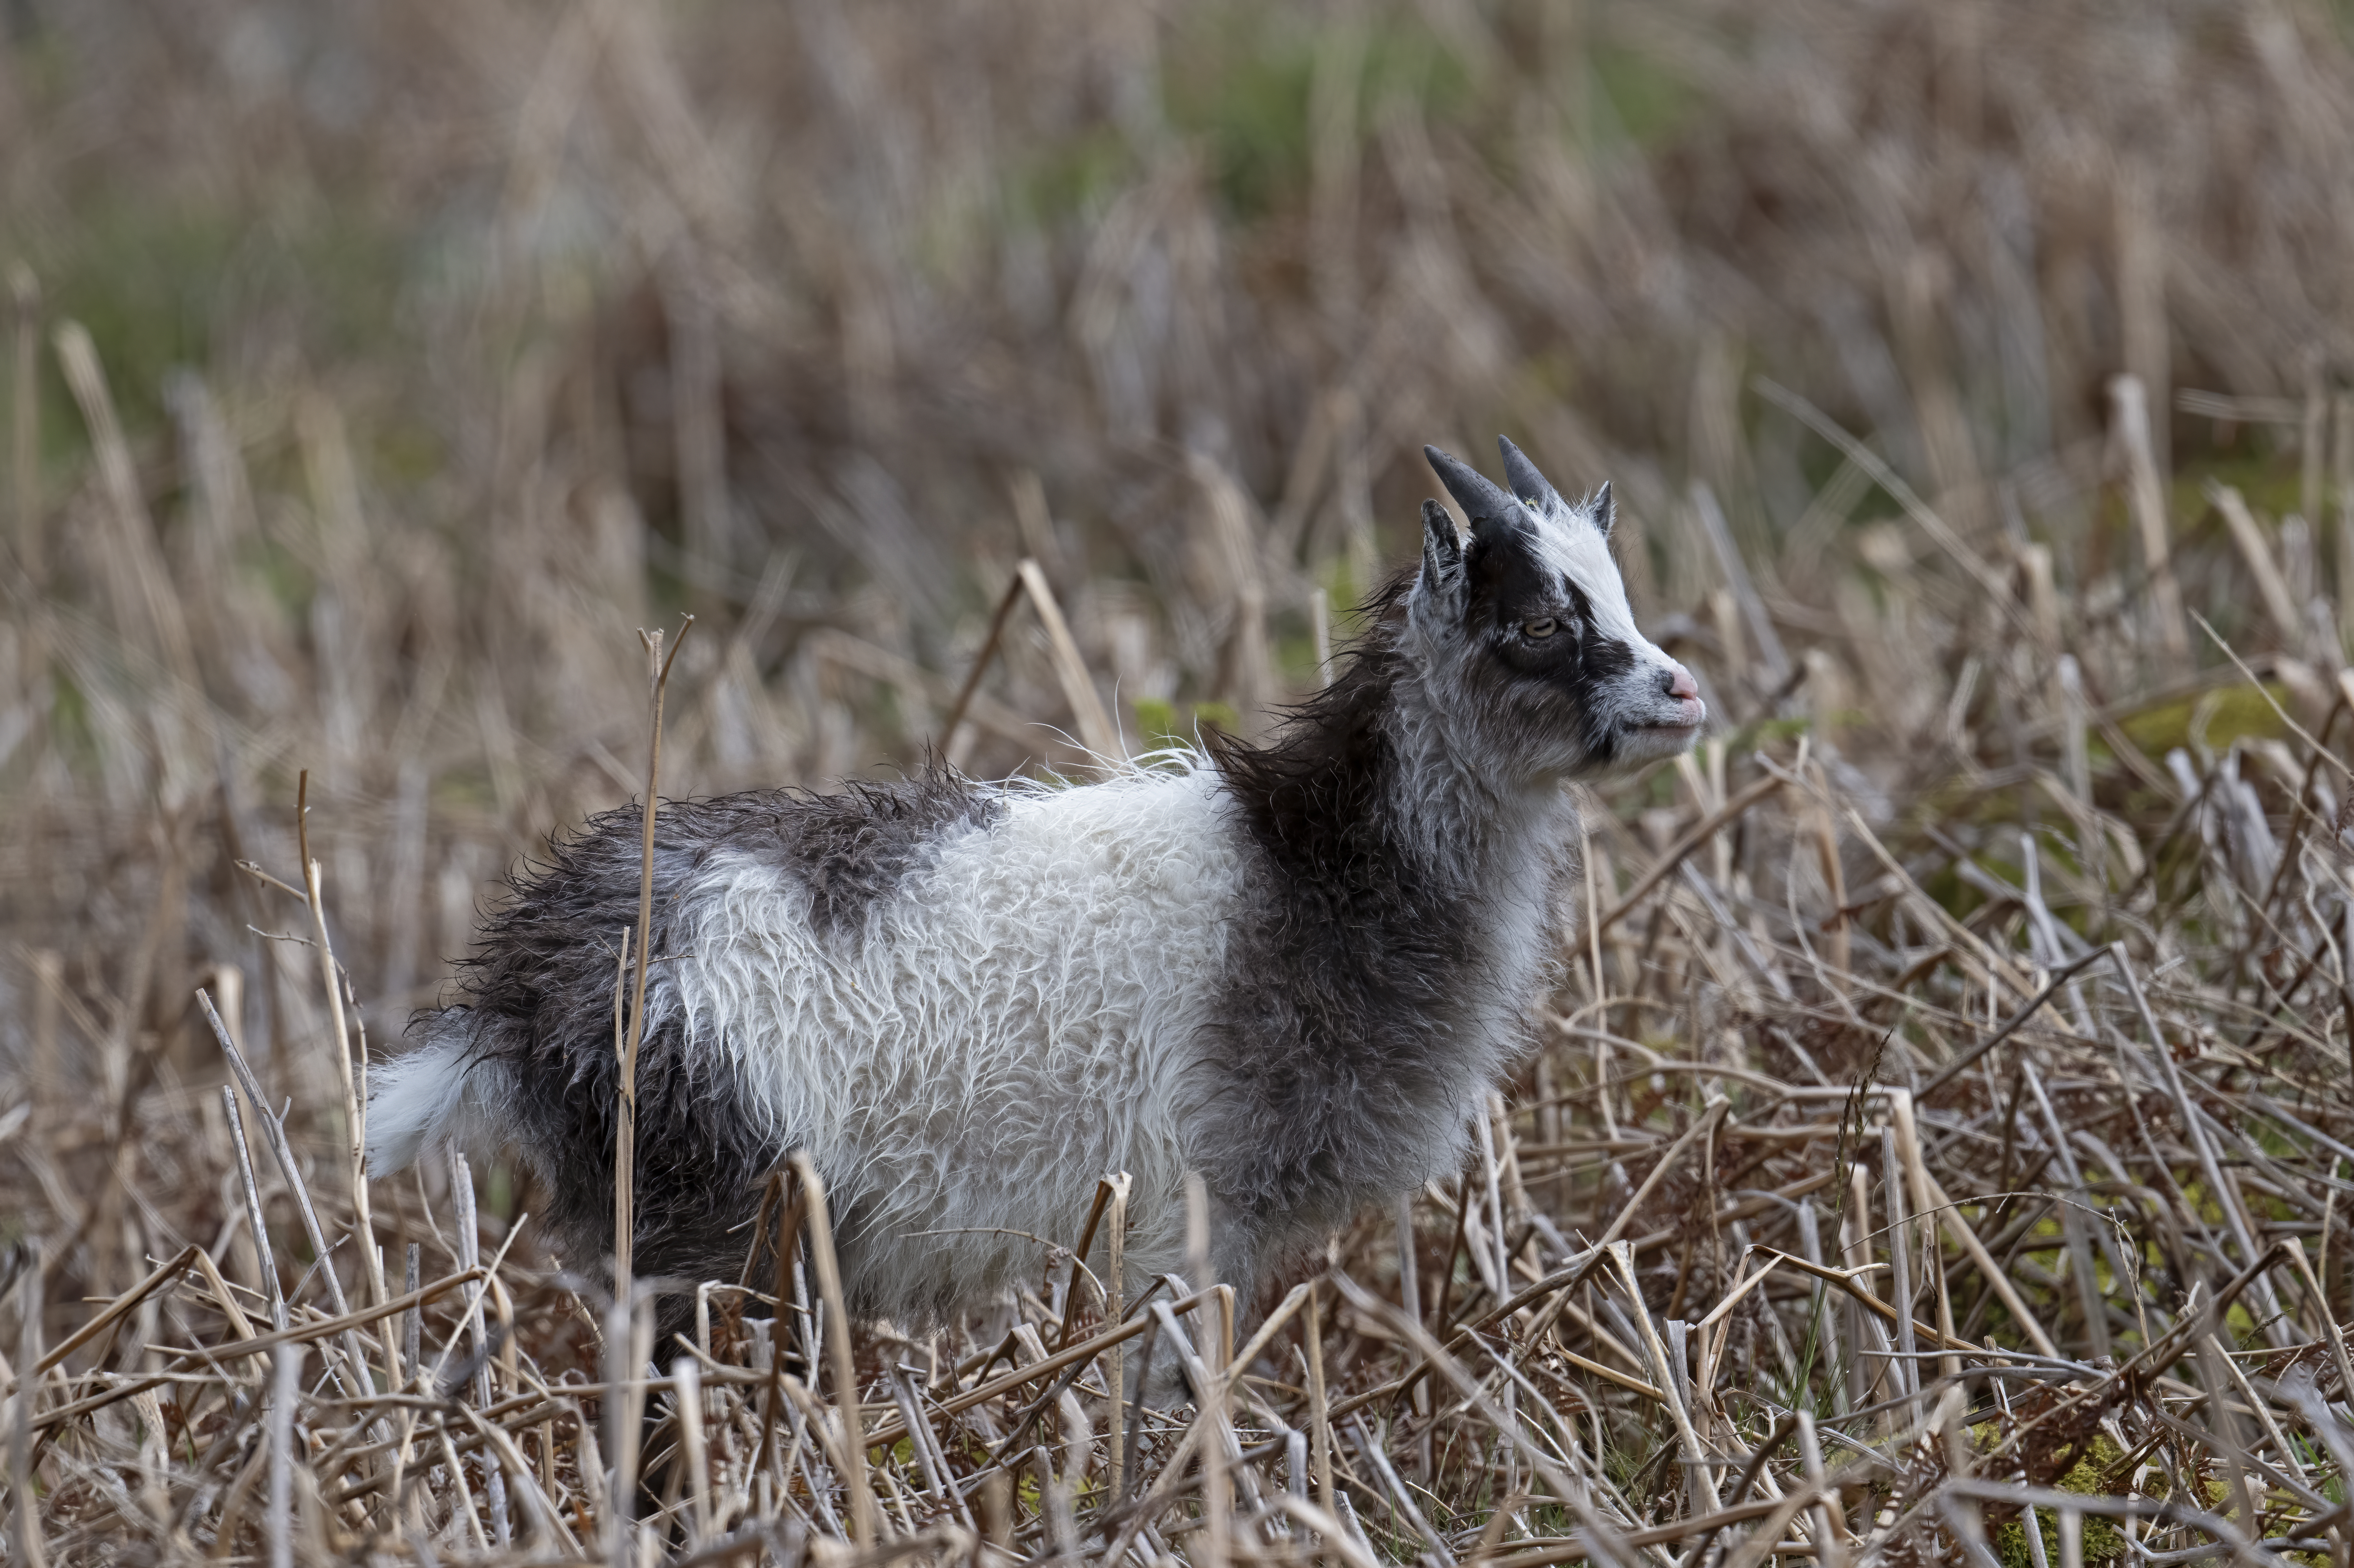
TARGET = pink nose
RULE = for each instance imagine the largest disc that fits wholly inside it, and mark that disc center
(1681, 684)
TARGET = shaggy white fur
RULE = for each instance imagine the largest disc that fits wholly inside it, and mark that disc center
(1010, 1028)
(427, 1094)
(1010, 1025)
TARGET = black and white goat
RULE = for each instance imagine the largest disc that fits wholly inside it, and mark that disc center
(1297, 969)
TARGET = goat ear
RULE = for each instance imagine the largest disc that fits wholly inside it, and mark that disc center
(1442, 546)
(1604, 509)
(1441, 584)
(1482, 500)
(1534, 489)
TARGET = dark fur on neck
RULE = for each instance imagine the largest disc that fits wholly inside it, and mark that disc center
(1377, 1004)
(1314, 793)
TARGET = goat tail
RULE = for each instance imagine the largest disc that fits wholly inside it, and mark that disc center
(443, 1090)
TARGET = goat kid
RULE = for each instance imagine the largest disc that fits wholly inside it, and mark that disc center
(1297, 969)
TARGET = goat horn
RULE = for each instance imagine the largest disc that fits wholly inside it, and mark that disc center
(1527, 484)
(1480, 497)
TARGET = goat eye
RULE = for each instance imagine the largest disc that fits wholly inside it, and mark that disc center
(1537, 631)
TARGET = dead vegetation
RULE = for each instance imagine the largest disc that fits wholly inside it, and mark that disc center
(1936, 1145)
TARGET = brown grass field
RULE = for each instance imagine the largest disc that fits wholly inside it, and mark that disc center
(1937, 1147)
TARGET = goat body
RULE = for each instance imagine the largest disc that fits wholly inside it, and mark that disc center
(1297, 969)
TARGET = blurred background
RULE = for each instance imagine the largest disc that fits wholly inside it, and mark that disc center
(378, 369)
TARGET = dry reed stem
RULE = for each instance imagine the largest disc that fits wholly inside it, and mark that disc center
(981, 661)
(25, 1529)
(1096, 728)
(24, 425)
(849, 1431)
(625, 1152)
(2129, 408)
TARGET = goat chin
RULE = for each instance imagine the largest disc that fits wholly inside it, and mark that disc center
(1298, 970)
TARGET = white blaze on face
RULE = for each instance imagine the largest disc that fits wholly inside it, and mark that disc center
(1572, 545)
(1568, 540)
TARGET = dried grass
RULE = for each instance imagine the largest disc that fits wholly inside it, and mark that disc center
(1936, 1144)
